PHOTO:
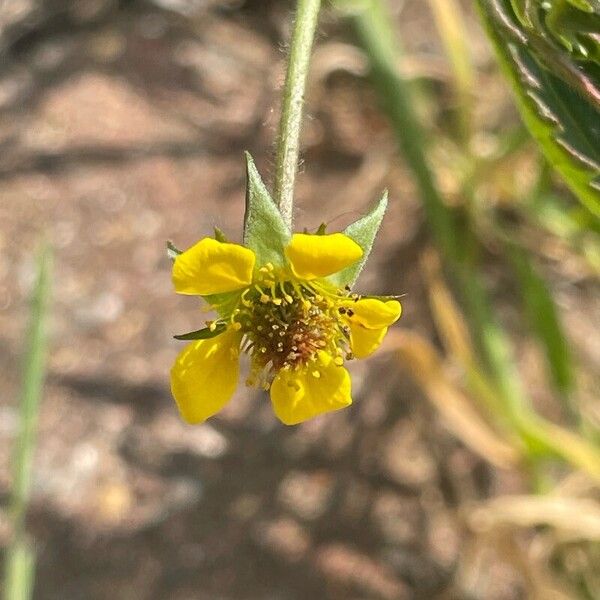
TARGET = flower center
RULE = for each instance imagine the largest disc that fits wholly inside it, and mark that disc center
(286, 323)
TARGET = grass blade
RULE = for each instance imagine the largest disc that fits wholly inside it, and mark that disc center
(541, 313)
(20, 563)
(457, 410)
(20, 571)
(450, 23)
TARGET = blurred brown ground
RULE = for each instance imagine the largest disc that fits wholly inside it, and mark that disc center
(122, 125)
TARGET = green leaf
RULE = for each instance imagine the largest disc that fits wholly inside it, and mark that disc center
(542, 314)
(203, 334)
(172, 251)
(363, 232)
(264, 229)
(557, 91)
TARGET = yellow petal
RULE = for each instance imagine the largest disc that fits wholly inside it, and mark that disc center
(374, 314)
(211, 267)
(313, 256)
(318, 387)
(205, 375)
(365, 341)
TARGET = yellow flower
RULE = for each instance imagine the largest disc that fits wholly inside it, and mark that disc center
(296, 326)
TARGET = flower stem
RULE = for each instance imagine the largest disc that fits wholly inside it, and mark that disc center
(288, 137)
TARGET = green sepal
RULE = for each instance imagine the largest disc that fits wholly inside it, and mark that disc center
(203, 334)
(363, 232)
(264, 230)
(172, 251)
(220, 236)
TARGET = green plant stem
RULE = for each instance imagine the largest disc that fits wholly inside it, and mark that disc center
(20, 557)
(288, 137)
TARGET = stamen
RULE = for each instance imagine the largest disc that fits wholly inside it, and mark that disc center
(285, 323)
(244, 299)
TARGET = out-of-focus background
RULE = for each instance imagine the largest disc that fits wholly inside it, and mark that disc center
(123, 125)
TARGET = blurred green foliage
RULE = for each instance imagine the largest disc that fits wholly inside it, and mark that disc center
(549, 53)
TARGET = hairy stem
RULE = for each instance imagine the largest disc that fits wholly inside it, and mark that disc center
(288, 138)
